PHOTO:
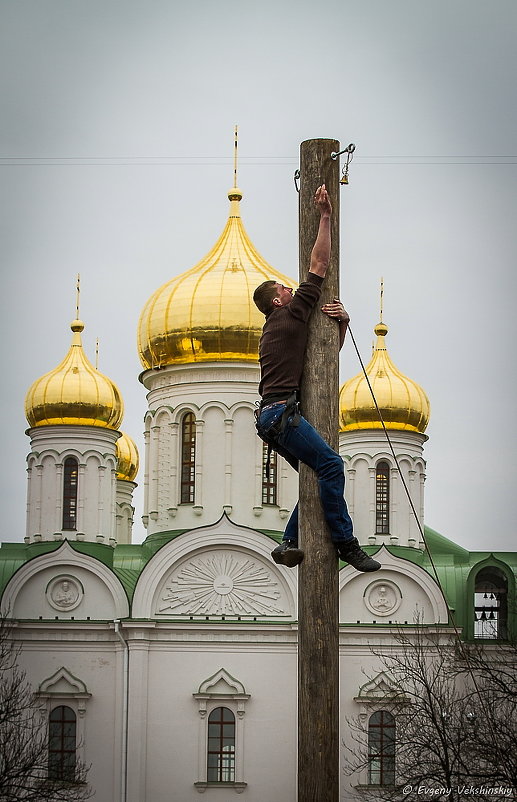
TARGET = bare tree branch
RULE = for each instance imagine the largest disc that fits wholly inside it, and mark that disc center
(24, 745)
(455, 728)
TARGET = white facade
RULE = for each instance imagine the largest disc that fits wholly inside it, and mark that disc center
(363, 450)
(228, 453)
(94, 448)
(124, 510)
(212, 623)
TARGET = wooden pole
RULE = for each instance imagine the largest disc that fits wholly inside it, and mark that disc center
(318, 612)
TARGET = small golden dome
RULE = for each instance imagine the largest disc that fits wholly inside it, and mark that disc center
(402, 402)
(127, 458)
(207, 313)
(74, 392)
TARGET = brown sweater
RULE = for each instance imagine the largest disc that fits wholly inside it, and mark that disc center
(284, 337)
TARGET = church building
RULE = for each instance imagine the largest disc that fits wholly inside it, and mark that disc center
(169, 666)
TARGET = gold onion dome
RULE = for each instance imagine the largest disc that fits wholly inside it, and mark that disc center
(207, 313)
(127, 458)
(402, 402)
(74, 392)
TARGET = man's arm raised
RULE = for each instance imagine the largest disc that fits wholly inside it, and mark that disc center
(320, 256)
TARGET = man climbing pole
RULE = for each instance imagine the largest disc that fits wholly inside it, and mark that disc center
(279, 421)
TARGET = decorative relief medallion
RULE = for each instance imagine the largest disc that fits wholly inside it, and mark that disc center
(64, 593)
(382, 597)
(221, 583)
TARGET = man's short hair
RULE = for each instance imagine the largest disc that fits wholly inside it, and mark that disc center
(264, 294)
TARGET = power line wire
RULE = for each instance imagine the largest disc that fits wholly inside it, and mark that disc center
(193, 160)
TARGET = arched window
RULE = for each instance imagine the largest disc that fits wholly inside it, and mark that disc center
(188, 459)
(221, 746)
(382, 499)
(71, 468)
(381, 748)
(491, 604)
(62, 744)
(269, 476)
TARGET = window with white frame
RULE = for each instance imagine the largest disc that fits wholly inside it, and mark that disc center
(378, 701)
(269, 475)
(62, 700)
(221, 706)
(382, 498)
(70, 474)
(188, 459)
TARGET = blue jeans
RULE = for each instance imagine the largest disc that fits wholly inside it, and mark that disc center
(303, 443)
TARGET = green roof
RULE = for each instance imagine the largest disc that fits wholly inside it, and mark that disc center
(438, 544)
(450, 565)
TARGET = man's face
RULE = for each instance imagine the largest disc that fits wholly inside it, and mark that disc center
(284, 295)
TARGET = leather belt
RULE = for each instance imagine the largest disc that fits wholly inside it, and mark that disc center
(274, 404)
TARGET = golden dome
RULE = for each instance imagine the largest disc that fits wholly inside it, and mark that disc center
(402, 402)
(127, 458)
(74, 392)
(207, 313)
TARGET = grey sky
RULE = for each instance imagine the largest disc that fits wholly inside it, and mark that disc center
(116, 155)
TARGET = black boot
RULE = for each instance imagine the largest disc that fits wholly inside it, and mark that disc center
(352, 553)
(287, 553)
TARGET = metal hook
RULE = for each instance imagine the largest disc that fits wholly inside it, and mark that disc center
(296, 179)
(350, 149)
(349, 156)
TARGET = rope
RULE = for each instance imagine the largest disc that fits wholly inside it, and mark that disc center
(406, 489)
(404, 484)
(461, 645)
